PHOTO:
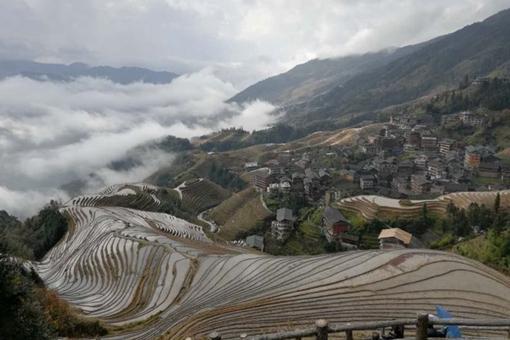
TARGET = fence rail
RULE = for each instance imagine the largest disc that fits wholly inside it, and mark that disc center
(422, 323)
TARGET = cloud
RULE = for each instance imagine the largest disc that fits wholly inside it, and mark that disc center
(53, 133)
(244, 40)
(27, 202)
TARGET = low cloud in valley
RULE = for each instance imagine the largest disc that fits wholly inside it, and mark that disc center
(53, 133)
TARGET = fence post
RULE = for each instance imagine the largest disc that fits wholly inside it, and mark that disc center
(214, 336)
(348, 335)
(422, 326)
(322, 329)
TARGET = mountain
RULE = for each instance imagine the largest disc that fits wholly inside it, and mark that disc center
(60, 72)
(335, 88)
(317, 76)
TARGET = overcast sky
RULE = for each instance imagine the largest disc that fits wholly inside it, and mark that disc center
(52, 133)
(245, 40)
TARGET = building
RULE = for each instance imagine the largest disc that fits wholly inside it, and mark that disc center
(414, 139)
(491, 169)
(472, 158)
(261, 178)
(428, 142)
(420, 184)
(283, 225)
(445, 146)
(255, 241)
(421, 162)
(436, 169)
(449, 119)
(468, 118)
(367, 182)
(405, 168)
(394, 238)
(249, 166)
(334, 223)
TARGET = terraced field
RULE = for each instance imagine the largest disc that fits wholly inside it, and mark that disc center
(149, 274)
(370, 206)
(240, 212)
(201, 194)
(139, 195)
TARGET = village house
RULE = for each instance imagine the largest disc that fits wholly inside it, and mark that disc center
(249, 166)
(420, 184)
(421, 161)
(445, 146)
(489, 168)
(283, 225)
(414, 139)
(334, 224)
(405, 168)
(367, 182)
(255, 241)
(394, 238)
(472, 158)
(261, 178)
(470, 119)
(436, 169)
(428, 142)
(449, 119)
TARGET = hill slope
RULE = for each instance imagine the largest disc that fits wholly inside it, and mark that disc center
(375, 81)
(317, 76)
(148, 274)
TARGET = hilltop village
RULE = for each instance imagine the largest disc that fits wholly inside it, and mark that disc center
(407, 157)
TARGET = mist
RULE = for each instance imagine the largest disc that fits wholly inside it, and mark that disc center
(53, 133)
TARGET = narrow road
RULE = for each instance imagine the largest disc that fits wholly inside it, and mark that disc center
(213, 227)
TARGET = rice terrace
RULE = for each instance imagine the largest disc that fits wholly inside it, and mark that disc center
(150, 274)
(262, 170)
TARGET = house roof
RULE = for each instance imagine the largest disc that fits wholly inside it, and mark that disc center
(397, 233)
(283, 214)
(332, 216)
(255, 241)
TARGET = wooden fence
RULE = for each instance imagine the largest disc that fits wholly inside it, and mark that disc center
(422, 323)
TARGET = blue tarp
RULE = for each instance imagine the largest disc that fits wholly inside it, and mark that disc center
(452, 331)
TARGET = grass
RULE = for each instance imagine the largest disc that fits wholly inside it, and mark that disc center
(489, 180)
(241, 212)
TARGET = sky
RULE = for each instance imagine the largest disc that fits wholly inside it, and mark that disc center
(244, 40)
(52, 133)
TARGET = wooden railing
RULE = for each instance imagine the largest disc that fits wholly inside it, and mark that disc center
(422, 323)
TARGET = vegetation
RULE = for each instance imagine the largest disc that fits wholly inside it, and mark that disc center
(279, 133)
(34, 237)
(172, 204)
(240, 215)
(492, 94)
(478, 232)
(29, 311)
(216, 172)
(173, 144)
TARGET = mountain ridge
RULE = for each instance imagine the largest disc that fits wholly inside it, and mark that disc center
(62, 72)
(411, 72)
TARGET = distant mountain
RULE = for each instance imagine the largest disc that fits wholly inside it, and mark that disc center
(334, 89)
(317, 76)
(121, 75)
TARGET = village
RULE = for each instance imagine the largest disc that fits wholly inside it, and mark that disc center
(409, 158)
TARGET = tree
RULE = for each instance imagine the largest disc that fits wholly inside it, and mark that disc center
(497, 203)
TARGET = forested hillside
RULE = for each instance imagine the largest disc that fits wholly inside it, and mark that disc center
(478, 50)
